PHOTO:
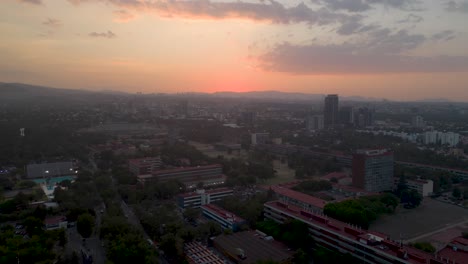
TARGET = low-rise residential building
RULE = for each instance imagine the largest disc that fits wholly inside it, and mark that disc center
(299, 199)
(202, 197)
(424, 187)
(226, 219)
(196, 253)
(144, 166)
(367, 246)
(55, 222)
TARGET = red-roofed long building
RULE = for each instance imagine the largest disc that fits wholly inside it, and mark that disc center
(299, 199)
(369, 247)
(209, 175)
(226, 219)
(455, 252)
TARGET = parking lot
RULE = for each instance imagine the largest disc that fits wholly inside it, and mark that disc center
(430, 216)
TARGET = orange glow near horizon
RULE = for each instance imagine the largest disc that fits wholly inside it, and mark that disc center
(211, 46)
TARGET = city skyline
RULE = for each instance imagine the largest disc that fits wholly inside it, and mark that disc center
(399, 50)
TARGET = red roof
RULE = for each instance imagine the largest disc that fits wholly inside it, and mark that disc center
(460, 240)
(222, 213)
(460, 257)
(316, 202)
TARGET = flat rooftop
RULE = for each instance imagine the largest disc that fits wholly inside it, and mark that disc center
(226, 215)
(198, 253)
(254, 247)
(302, 197)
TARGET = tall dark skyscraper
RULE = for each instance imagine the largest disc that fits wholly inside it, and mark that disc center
(331, 110)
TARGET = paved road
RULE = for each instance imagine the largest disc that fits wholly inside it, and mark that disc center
(435, 232)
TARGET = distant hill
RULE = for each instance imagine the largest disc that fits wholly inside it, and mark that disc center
(25, 92)
(18, 92)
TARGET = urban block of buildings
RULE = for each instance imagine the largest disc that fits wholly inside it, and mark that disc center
(315, 122)
(260, 138)
(209, 176)
(144, 166)
(201, 197)
(225, 219)
(373, 170)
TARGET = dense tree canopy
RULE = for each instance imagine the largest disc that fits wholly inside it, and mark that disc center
(362, 211)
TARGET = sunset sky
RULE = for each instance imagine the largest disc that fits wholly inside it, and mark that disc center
(396, 49)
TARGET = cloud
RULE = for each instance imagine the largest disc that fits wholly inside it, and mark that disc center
(123, 16)
(343, 59)
(383, 51)
(411, 18)
(268, 11)
(109, 34)
(456, 6)
(365, 5)
(354, 25)
(53, 23)
(445, 35)
(36, 2)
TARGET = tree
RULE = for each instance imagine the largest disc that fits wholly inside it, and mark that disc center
(402, 184)
(301, 257)
(191, 214)
(411, 198)
(465, 235)
(457, 193)
(425, 246)
(33, 226)
(85, 225)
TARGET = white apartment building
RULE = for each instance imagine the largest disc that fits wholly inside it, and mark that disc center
(424, 187)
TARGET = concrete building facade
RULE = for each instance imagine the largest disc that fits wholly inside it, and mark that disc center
(201, 197)
(331, 110)
(225, 219)
(144, 165)
(373, 170)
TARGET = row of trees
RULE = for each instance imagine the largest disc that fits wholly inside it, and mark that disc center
(37, 247)
(362, 211)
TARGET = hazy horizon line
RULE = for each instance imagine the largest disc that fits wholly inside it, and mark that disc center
(363, 98)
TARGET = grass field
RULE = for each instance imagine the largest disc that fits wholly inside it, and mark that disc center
(211, 152)
(283, 173)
